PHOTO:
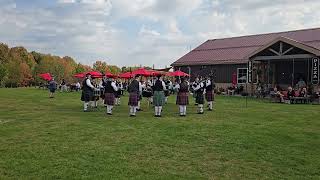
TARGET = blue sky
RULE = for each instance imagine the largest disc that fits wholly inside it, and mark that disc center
(147, 32)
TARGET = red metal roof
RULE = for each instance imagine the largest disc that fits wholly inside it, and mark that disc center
(235, 50)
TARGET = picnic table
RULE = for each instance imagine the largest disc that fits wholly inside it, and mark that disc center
(300, 100)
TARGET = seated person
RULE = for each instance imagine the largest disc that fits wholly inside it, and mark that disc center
(290, 94)
(303, 92)
(278, 94)
(231, 90)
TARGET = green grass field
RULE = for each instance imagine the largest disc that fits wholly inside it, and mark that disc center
(42, 138)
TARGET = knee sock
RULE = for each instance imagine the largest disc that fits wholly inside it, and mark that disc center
(184, 110)
(181, 109)
(210, 105)
(85, 106)
(139, 104)
(200, 108)
(160, 110)
(156, 110)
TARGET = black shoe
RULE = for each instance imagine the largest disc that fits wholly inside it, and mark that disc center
(132, 115)
(200, 112)
(109, 114)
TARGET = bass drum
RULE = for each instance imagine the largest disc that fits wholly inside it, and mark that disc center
(146, 94)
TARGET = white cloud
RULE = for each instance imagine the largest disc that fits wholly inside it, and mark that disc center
(66, 1)
(159, 31)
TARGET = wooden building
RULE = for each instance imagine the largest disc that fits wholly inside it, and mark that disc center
(275, 59)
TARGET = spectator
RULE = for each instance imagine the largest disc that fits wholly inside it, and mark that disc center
(290, 94)
(52, 87)
(301, 84)
(78, 86)
(278, 94)
(303, 92)
(63, 85)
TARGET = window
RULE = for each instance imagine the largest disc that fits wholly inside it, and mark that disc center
(242, 74)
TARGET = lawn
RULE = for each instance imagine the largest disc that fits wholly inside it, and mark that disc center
(42, 138)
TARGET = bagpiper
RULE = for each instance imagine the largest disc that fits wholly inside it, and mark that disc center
(210, 92)
(87, 91)
(134, 90)
(182, 96)
(118, 92)
(199, 90)
(110, 90)
(158, 96)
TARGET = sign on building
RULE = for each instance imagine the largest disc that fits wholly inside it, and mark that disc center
(315, 71)
(250, 68)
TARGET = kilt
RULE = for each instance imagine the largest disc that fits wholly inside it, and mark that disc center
(199, 98)
(86, 96)
(158, 98)
(133, 99)
(209, 96)
(182, 99)
(109, 99)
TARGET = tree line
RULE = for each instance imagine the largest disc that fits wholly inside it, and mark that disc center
(20, 68)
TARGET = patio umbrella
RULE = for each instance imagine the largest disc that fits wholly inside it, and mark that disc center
(95, 74)
(126, 75)
(178, 73)
(80, 75)
(142, 72)
(109, 74)
(46, 76)
(155, 73)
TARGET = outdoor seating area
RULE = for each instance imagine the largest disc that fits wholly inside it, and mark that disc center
(295, 96)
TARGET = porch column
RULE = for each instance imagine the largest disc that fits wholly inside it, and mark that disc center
(292, 80)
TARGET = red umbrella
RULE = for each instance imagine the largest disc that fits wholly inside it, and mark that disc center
(234, 79)
(142, 71)
(80, 75)
(46, 76)
(178, 73)
(95, 74)
(109, 74)
(126, 75)
(156, 73)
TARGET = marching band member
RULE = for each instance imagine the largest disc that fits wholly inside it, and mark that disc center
(158, 96)
(134, 90)
(87, 92)
(102, 85)
(110, 90)
(209, 92)
(96, 93)
(182, 96)
(199, 89)
(118, 92)
(167, 90)
(143, 85)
